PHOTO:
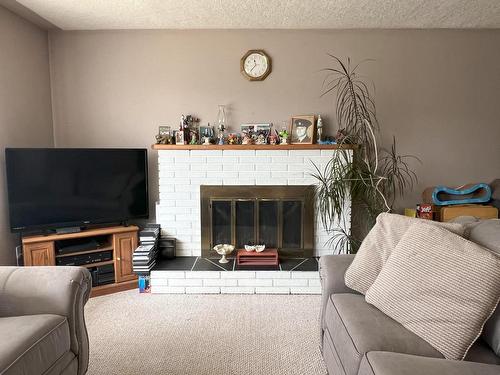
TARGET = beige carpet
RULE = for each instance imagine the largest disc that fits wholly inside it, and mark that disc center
(164, 334)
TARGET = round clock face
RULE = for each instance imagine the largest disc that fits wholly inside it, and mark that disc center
(256, 65)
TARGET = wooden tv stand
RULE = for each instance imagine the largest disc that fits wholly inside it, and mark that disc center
(41, 251)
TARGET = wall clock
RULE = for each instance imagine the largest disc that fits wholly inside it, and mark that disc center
(255, 65)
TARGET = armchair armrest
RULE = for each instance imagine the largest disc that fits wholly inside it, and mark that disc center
(49, 290)
(331, 272)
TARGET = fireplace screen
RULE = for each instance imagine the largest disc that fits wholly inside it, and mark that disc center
(278, 216)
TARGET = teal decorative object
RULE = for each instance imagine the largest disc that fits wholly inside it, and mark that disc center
(478, 193)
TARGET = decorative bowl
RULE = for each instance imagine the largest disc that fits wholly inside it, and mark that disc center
(224, 249)
(260, 248)
(249, 248)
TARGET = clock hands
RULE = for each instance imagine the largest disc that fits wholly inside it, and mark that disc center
(254, 65)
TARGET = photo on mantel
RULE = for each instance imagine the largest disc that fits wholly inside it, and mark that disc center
(302, 128)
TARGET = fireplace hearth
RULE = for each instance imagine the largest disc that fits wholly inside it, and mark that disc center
(280, 217)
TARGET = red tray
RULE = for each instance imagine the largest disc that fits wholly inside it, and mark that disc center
(268, 257)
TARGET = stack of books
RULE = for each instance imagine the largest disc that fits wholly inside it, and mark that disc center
(144, 257)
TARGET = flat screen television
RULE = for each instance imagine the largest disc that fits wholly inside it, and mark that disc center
(69, 187)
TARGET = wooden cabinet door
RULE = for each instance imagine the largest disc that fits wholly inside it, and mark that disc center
(124, 245)
(39, 254)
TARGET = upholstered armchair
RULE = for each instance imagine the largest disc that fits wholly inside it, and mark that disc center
(42, 322)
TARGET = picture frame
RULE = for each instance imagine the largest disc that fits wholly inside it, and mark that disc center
(164, 130)
(302, 129)
(164, 136)
(254, 127)
(206, 131)
(179, 137)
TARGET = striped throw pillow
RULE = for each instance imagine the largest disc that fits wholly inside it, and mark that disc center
(379, 244)
(439, 286)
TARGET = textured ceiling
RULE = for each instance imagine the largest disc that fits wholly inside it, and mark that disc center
(271, 14)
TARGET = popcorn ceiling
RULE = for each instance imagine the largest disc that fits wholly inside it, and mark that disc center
(267, 14)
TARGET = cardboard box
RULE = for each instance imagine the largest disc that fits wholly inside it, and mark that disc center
(448, 213)
(410, 212)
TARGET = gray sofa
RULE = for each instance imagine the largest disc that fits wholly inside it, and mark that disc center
(42, 323)
(358, 339)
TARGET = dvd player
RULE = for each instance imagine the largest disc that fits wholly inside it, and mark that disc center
(102, 275)
(83, 259)
(79, 244)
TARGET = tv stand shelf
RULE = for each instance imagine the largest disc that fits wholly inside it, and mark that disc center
(121, 240)
(98, 264)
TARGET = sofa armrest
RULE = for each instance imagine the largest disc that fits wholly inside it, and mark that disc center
(49, 290)
(331, 272)
(386, 363)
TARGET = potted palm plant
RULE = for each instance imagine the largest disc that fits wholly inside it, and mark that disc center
(365, 177)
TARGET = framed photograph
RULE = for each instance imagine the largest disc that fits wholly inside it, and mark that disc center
(252, 128)
(265, 127)
(206, 132)
(302, 129)
(164, 130)
(179, 137)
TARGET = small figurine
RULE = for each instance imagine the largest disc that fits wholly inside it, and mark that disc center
(273, 139)
(261, 139)
(284, 137)
(194, 138)
(184, 123)
(247, 139)
(232, 139)
(220, 137)
(161, 139)
(319, 126)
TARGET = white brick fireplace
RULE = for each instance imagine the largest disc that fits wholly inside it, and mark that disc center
(182, 171)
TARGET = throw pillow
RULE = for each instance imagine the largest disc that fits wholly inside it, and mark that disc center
(378, 245)
(439, 286)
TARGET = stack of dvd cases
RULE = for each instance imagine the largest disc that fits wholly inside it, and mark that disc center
(144, 258)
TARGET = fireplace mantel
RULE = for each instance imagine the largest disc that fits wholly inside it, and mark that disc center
(253, 147)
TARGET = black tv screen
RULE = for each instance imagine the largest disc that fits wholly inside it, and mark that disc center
(57, 187)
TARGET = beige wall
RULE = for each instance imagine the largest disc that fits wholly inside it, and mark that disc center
(25, 104)
(437, 91)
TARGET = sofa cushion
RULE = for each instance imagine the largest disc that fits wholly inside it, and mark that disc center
(481, 352)
(486, 233)
(31, 344)
(330, 355)
(491, 332)
(483, 232)
(439, 286)
(378, 246)
(67, 364)
(357, 327)
(384, 363)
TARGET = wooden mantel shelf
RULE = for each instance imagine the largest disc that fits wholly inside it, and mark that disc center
(251, 147)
